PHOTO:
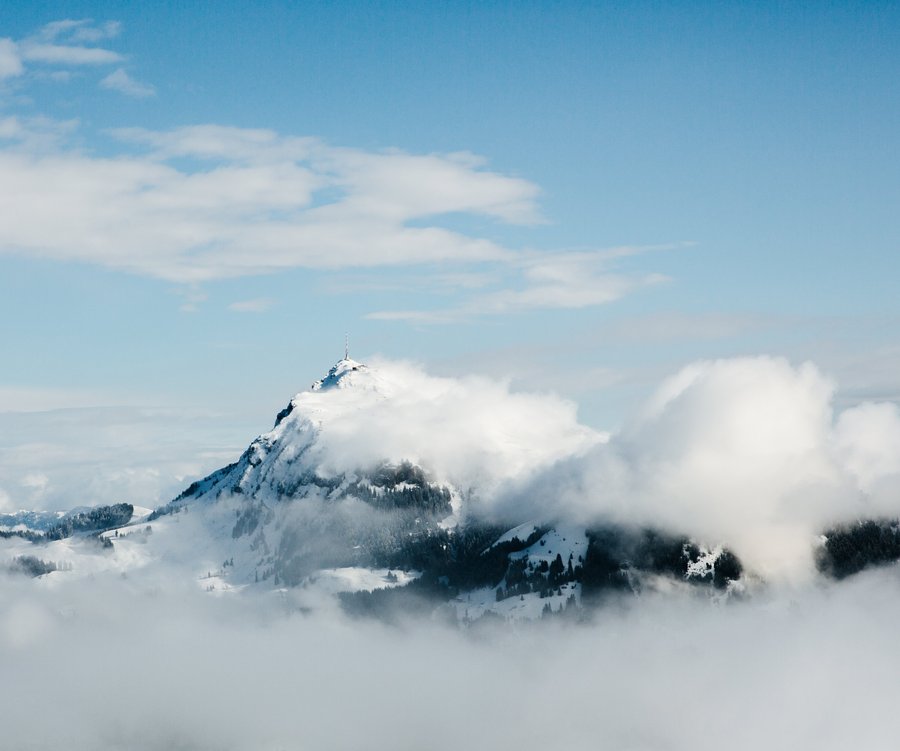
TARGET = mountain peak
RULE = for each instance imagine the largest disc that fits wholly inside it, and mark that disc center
(338, 375)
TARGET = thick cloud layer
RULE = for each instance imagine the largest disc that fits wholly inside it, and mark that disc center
(747, 452)
(114, 663)
(472, 432)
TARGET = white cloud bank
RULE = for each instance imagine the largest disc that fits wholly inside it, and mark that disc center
(144, 664)
(472, 432)
(745, 452)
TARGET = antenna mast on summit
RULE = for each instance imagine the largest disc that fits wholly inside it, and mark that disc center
(346, 346)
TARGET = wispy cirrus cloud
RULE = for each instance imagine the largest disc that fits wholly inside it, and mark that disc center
(120, 81)
(10, 62)
(83, 30)
(205, 202)
(543, 281)
(566, 280)
(255, 202)
(70, 44)
(66, 42)
(67, 54)
(259, 305)
(79, 30)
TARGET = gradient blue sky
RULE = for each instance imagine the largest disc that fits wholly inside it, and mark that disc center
(659, 182)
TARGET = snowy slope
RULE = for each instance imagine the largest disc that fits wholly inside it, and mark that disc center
(289, 462)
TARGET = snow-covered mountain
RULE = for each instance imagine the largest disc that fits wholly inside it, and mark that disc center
(378, 483)
(299, 509)
(291, 461)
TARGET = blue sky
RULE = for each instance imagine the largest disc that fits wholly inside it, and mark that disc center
(201, 199)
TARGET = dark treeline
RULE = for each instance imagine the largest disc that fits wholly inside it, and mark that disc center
(615, 560)
(616, 557)
(95, 520)
(851, 548)
(91, 522)
(30, 565)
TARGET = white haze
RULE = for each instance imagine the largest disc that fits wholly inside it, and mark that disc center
(115, 663)
(61, 458)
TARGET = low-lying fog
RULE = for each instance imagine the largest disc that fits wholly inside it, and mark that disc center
(108, 664)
